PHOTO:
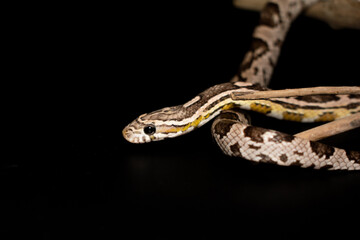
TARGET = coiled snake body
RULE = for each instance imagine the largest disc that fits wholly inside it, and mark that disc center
(231, 129)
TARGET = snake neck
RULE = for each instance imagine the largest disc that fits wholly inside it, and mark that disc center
(201, 108)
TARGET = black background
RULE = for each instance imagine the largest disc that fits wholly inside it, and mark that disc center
(94, 68)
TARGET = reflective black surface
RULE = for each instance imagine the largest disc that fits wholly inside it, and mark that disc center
(104, 66)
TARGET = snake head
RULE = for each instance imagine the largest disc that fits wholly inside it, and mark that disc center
(155, 126)
(175, 121)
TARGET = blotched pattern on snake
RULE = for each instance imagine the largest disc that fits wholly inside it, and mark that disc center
(231, 129)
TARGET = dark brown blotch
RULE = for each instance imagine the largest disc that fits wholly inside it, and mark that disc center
(286, 105)
(270, 16)
(281, 137)
(322, 149)
(353, 155)
(355, 96)
(259, 47)
(255, 133)
(352, 105)
(254, 147)
(223, 127)
(278, 43)
(299, 153)
(265, 159)
(283, 157)
(294, 106)
(235, 149)
(318, 98)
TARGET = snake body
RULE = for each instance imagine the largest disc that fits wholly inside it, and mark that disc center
(269, 146)
(231, 129)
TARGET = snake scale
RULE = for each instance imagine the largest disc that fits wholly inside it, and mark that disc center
(231, 128)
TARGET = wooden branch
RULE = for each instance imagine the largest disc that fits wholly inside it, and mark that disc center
(296, 92)
(337, 13)
(331, 128)
(317, 133)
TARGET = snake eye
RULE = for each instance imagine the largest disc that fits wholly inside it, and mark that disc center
(149, 129)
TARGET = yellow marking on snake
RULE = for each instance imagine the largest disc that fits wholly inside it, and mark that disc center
(229, 106)
(293, 116)
(261, 108)
(268, 107)
(327, 116)
(195, 123)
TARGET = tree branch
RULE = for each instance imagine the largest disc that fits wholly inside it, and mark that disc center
(331, 128)
(295, 92)
(320, 132)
